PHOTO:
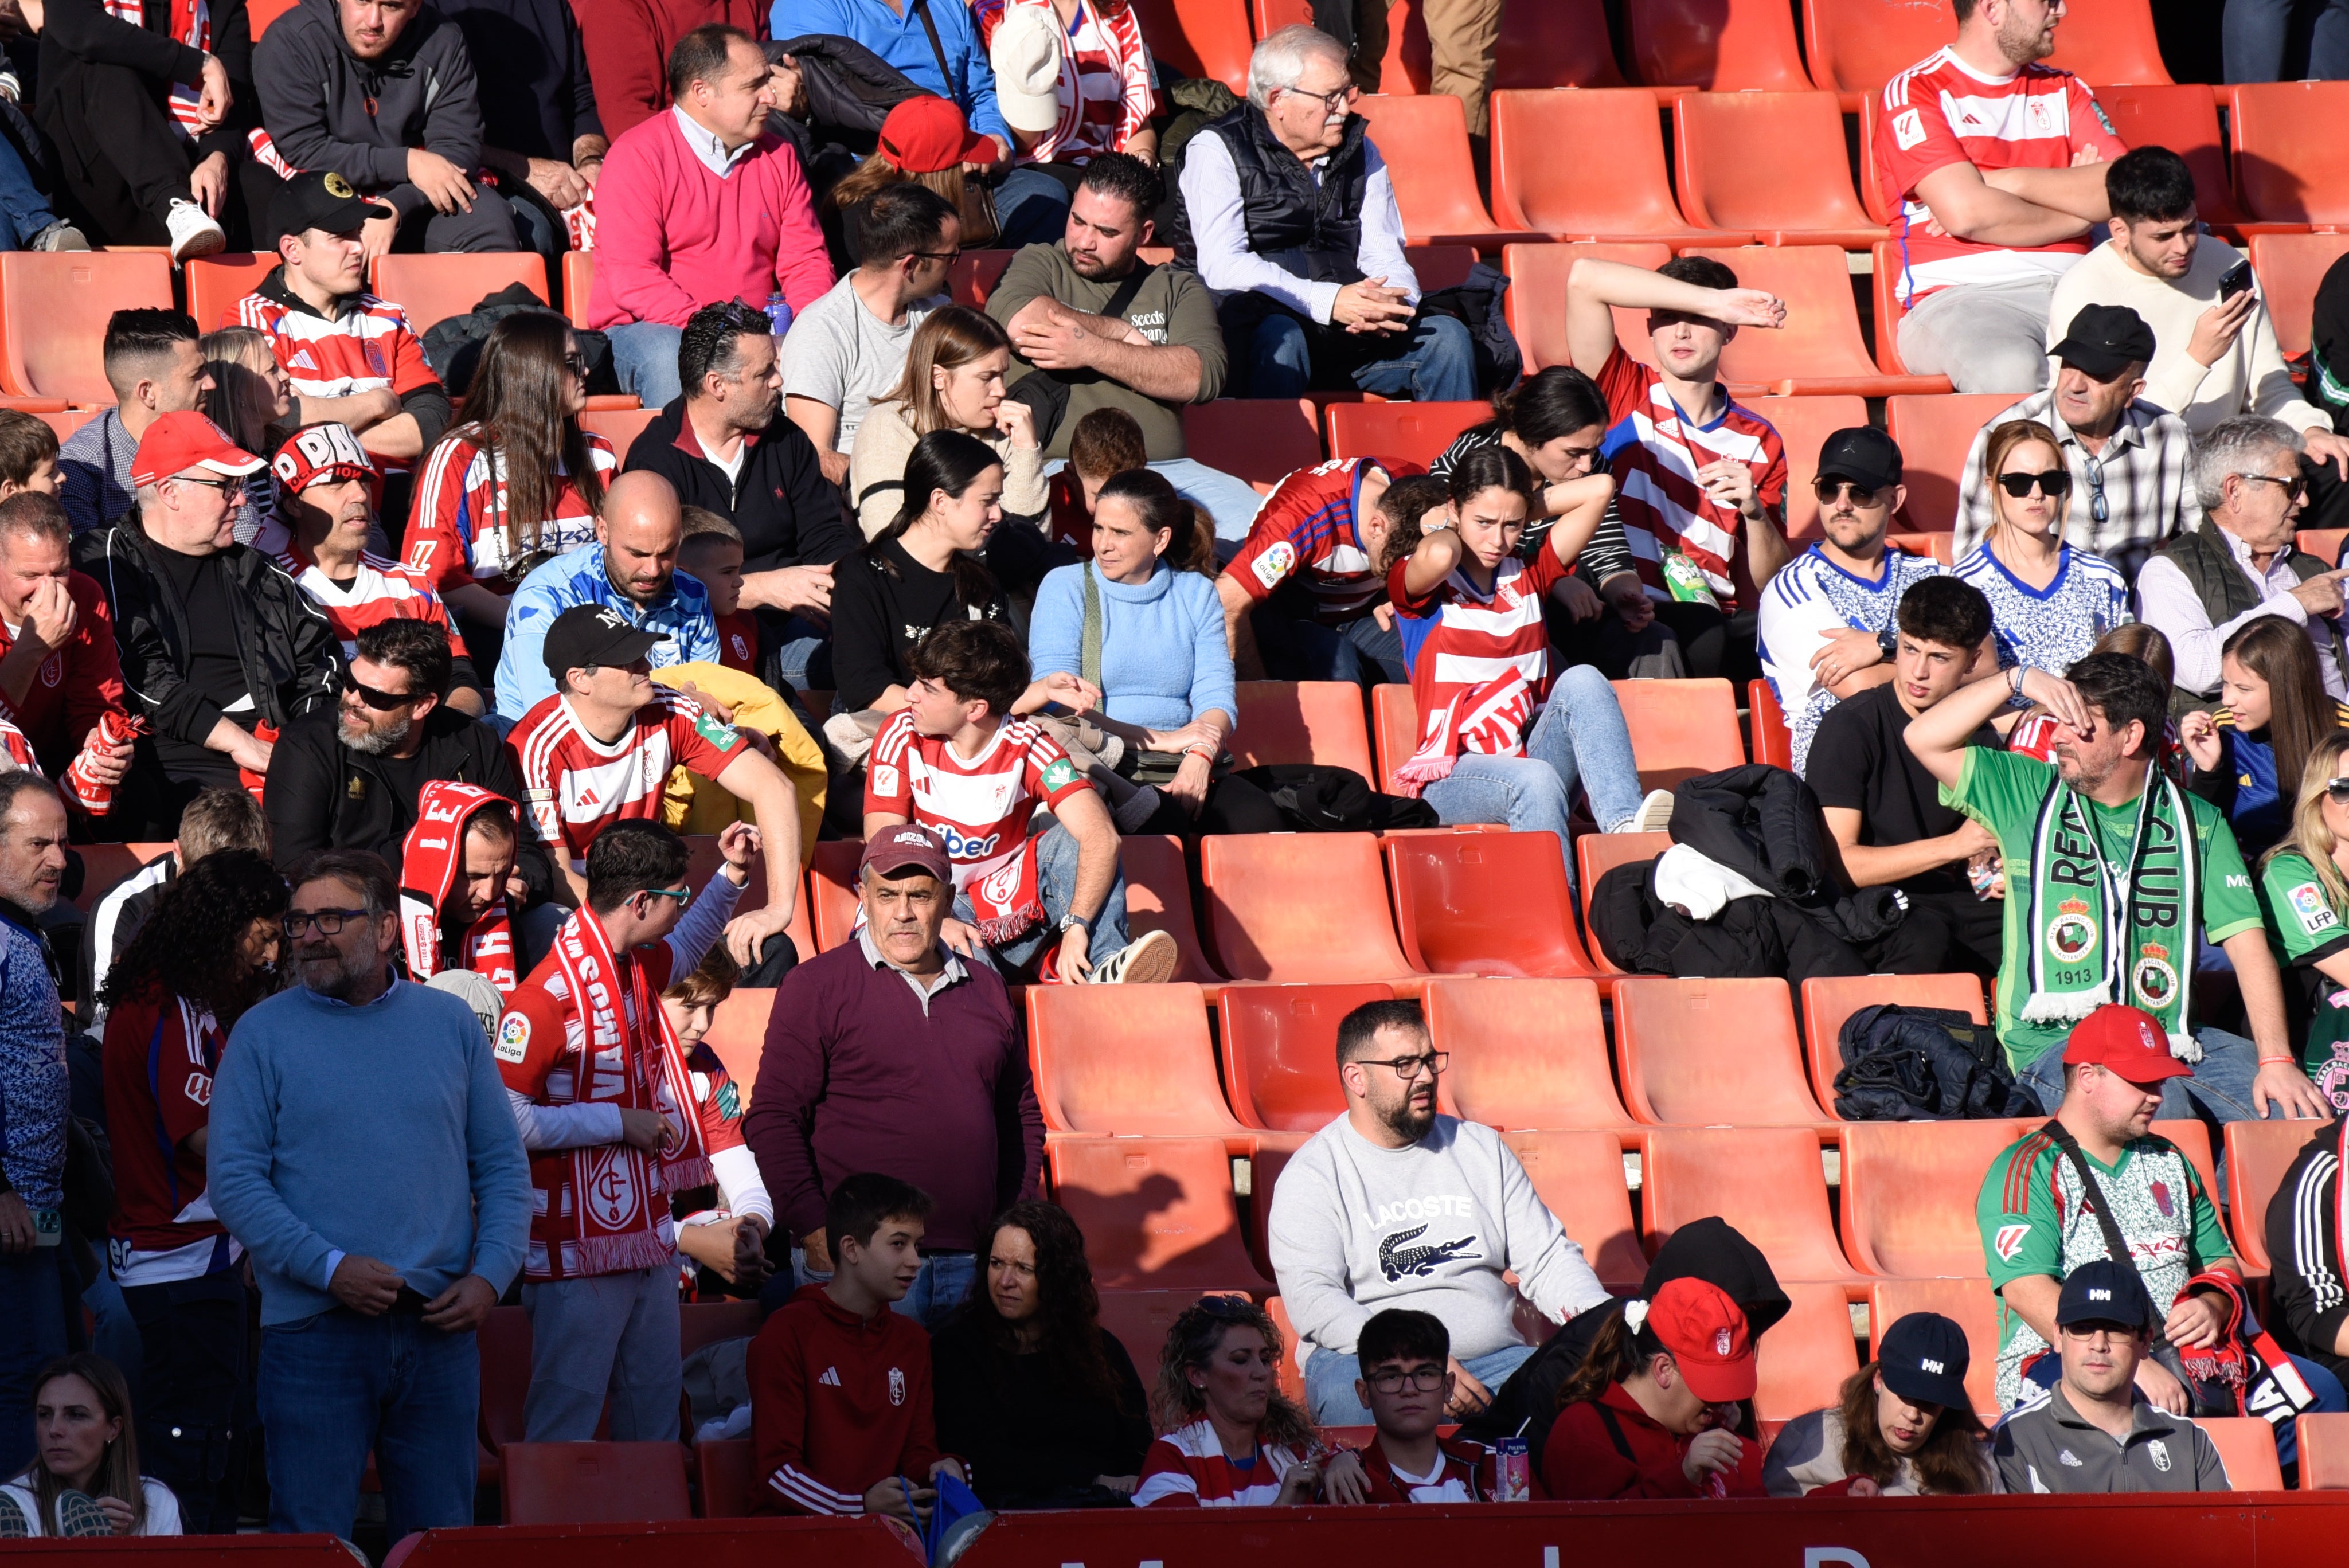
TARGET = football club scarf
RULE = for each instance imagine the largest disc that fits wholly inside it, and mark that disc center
(2102, 933)
(2246, 1372)
(1489, 718)
(432, 860)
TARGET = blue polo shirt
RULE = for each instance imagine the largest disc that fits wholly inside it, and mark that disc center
(901, 41)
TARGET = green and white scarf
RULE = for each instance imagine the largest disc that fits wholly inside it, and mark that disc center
(2099, 935)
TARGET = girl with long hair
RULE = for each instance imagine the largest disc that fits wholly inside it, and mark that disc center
(1901, 1427)
(1232, 1438)
(1028, 1387)
(2273, 710)
(521, 476)
(1660, 1405)
(955, 368)
(2048, 601)
(252, 399)
(84, 1479)
(2304, 886)
(923, 138)
(1556, 420)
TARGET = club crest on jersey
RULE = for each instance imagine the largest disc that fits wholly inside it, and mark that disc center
(2072, 935)
(2009, 1241)
(2160, 1452)
(53, 669)
(1278, 561)
(513, 1039)
(2159, 1192)
(896, 1386)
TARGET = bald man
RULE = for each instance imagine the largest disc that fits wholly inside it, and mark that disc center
(632, 568)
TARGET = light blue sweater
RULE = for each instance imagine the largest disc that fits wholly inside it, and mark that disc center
(374, 1129)
(1163, 656)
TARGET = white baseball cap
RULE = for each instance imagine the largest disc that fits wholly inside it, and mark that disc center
(1026, 55)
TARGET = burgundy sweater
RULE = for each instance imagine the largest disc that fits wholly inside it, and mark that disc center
(854, 1077)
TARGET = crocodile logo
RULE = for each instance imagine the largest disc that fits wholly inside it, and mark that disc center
(1398, 1262)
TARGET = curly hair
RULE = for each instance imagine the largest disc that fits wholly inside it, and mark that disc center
(188, 945)
(1068, 1308)
(1190, 1345)
(1951, 1464)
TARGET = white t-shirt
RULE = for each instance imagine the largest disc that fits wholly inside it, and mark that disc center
(838, 353)
(162, 1509)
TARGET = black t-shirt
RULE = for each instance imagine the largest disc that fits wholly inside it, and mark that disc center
(214, 666)
(1858, 762)
(1034, 1438)
(883, 602)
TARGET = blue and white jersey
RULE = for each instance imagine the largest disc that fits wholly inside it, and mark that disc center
(577, 577)
(1811, 594)
(2049, 628)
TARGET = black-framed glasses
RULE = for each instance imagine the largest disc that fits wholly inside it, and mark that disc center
(948, 257)
(2055, 484)
(1861, 495)
(2099, 509)
(1409, 1068)
(381, 701)
(1390, 1379)
(329, 922)
(2293, 488)
(1337, 98)
(229, 487)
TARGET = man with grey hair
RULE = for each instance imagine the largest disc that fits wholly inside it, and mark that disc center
(1288, 212)
(2242, 563)
(32, 1105)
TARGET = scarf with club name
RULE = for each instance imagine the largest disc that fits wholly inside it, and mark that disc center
(2100, 933)
(1489, 718)
(605, 1209)
(432, 860)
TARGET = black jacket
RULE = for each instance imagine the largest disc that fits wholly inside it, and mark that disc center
(789, 515)
(323, 795)
(1764, 823)
(84, 30)
(293, 660)
(2303, 1231)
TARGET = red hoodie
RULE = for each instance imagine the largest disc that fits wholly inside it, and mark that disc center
(837, 1402)
(1582, 1460)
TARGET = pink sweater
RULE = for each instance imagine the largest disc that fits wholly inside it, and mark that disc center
(671, 237)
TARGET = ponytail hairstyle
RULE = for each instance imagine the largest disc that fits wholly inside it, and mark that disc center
(1555, 402)
(1163, 512)
(951, 461)
(1616, 1351)
(1490, 468)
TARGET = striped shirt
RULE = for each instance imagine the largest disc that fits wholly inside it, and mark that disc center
(191, 24)
(457, 533)
(365, 347)
(2303, 1236)
(1943, 111)
(377, 592)
(1811, 594)
(1186, 1469)
(1608, 554)
(1309, 529)
(1455, 637)
(978, 806)
(1108, 87)
(574, 785)
(2143, 473)
(2054, 627)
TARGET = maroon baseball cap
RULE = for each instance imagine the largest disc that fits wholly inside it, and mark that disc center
(2126, 1039)
(927, 134)
(892, 849)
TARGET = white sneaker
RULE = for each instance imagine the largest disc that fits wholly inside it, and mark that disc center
(1148, 960)
(1654, 815)
(193, 233)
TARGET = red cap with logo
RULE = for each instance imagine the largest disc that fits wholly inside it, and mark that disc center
(927, 134)
(177, 442)
(318, 454)
(2126, 1039)
(1705, 1331)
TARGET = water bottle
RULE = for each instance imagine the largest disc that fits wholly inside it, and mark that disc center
(778, 314)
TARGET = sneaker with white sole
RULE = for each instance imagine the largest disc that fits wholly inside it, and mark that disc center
(1654, 815)
(13, 1524)
(1148, 960)
(79, 1518)
(59, 236)
(193, 233)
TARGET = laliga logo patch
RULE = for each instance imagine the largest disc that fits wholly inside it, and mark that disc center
(885, 779)
(513, 1039)
(1278, 561)
(2073, 935)
(2307, 902)
(2009, 1241)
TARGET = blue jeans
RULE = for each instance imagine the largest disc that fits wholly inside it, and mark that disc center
(2330, 1396)
(1297, 649)
(644, 357)
(1580, 737)
(32, 1330)
(333, 1386)
(1032, 208)
(1435, 362)
(2257, 36)
(24, 211)
(2218, 1092)
(1056, 880)
(1330, 1378)
(945, 1278)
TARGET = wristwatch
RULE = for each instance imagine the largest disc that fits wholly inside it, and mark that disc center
(1079, 922)
(1887, 642)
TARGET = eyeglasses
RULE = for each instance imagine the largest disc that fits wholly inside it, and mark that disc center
(329, 922)
(948, 257)
(576, 364)
(1331, 101)
(2293, 488)
(232, 487)
(2055, 484)
(1390, 1379)
(1410, 1067)
(2099, 509)
(1861, 495)
(381, 701)
(684, 895)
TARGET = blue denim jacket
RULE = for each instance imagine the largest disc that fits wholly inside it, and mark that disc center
(577, 577)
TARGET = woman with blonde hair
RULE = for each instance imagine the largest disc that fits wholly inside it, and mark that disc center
(84, 1479)
(1233, 1439)
(2304, 886)
(2048, 601)
(927, 141)
(953, 380)
(252, 399)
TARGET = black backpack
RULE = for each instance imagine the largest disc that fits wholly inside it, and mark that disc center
(1924, 1064)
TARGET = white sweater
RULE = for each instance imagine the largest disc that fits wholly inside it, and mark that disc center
(1357, 1229)
(2249, 378)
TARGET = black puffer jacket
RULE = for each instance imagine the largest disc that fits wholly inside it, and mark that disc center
(1764, 823)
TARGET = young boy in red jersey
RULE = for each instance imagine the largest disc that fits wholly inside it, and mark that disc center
(1405, 1357)
(840, 1385)
(1304, 600)
(712, 554)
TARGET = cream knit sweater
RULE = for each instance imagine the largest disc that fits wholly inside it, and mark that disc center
(886, 439)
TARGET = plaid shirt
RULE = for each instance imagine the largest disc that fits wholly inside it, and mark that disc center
(2143, 467)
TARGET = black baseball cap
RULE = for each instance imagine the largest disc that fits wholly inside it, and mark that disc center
(1862, 454)
(2102, 1291)
(1923, 1358)
(595, 634)
(321, 199)
(2105, 340)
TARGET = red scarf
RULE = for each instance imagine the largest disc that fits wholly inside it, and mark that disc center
(432, 860)
(1489, 719)
(604, 1209)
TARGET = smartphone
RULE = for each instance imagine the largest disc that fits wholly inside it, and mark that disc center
(2237, 281)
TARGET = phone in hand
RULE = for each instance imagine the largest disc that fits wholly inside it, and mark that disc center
(2237, 281)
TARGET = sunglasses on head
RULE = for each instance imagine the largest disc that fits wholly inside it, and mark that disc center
(1861, 495)
(2055, 484)
(381, 701)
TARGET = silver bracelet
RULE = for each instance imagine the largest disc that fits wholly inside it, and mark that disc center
(2014, 678)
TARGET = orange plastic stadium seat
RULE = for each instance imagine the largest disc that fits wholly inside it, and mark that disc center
(1158, 898)
(738, 1033)
(1414, 432)
(1820, 348)
(2324, 1451)
(1773, 743)
(2112, 41)
(105, 866)
(832, 890)
(2288, 167)
(704, 1322)
(1804, 424)
(1394, 726)
(216, 283)
(1884, 289)
(1300, 907)
(1711, 1053)
(1802, 1362)
(1440, 266)
(1764, 1181)
(621, 427)
(1855, 46)
(1304, 721)
(54, 306)
(504, 1345)
(1280, 1051)
(1555, 44)
(1771, 162)
(1968, 1303)
(64, 421)
(2258, 1154)
(1579, 1176)
(2325, 543)
(1719, 46)
(1681, 728)
(1117, 1061)
(1290, 1376)
(1526, 1054)
(1425, 141)
(2184, 117)
(578, 281)
(724, 1473)
(1484, 903)
(1934, 434)
(1909, 1191)
(432, 288)
(1540, 185)
(261, 13)
(2247, 1446)
(2289, 266)
(594, 1483)
(1201, 38)
(1828, 1000)
(1535, 303)
(1157, 1214)
(973, 275)
(1261, 439)
(1596, 854)
(1140, 1318)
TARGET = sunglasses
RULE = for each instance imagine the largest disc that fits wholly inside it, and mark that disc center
(2337, 791)
(381, 701)
(2293, 488)
(2055, 484)
(1861, 495)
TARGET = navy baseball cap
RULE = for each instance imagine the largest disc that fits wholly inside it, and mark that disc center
(2102, 1291)
(1923, 1358)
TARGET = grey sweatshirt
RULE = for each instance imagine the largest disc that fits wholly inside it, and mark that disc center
(1357, 1229)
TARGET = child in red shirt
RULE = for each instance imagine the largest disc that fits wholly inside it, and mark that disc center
(712, 554)
(1649, 1412)
(1405, 1359)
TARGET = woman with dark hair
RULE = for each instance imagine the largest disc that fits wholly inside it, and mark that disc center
(1028, 1387)
(1661, 1406)
(2250, 754)
(1233, 1439)
(84, 1479)
(1903, 1426)
(953, 380)
(207, 953)
(520, 477)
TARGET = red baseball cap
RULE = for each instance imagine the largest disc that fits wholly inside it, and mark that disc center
(2126, 1039)
(177, 442)
(1705, 1331)
(322, 452)
(927, 134)
(907, 844)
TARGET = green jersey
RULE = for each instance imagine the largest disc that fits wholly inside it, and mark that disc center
(2305, 927)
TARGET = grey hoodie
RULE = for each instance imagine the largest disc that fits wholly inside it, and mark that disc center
(315, 96)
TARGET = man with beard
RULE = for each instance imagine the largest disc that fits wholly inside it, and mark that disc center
(2110, 870)
(350, 779)
(1391, 1206)
(361, 1149)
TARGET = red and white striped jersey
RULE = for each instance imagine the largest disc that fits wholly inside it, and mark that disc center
(1310, 528)
(456, 532)
(978, 806)
(381, 590)
(1455, 639)
(365, 348)
(1186, 1469)
(1463, 1473)
(191, 24)
(574, 785)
